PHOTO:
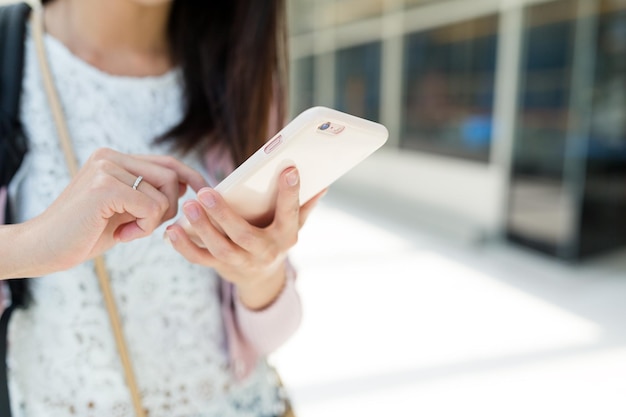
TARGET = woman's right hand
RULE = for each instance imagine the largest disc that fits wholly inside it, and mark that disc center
(96, 210)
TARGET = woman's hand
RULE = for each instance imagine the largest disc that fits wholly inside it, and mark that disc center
(250, 257)
(100, 208)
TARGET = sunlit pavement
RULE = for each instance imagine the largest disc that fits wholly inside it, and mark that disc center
(400, 322)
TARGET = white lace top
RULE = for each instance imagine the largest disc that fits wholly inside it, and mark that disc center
(63, 360)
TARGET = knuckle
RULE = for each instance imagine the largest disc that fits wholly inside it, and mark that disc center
(169, 161)
(227, 254)
(223, 252)
(194, 257)
(219, 213)
(247, 239)
(102, 181)
(290, 211)
(103, 164)
(155, 206)
(99, 181)
(191, 257)
(197, 177)
(171, 177)
(163, 203)
(270, 253)
(102, 153)
(103, 167)
(292, 240)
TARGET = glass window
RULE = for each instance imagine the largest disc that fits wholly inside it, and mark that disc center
(541, 211)
(603, 219)
(358, 80)
(567, 194)
(545, 88)
(448, 94)
(608, 126)
(303, 84)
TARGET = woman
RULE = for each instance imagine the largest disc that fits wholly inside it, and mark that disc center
(158, 95)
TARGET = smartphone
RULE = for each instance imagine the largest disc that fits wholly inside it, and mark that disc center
(322, 143)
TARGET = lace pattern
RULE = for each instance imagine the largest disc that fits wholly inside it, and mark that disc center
(62, 357)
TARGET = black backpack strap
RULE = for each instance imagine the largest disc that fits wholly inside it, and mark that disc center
(12, 151)
(12, 32)
(12, 25)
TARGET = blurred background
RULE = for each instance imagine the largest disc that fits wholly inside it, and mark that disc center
(476, 265)
(507, 116)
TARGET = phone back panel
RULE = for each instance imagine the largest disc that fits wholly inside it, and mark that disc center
(322, 143)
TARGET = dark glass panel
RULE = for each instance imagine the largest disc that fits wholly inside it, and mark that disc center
(358, 80)
(449, 89)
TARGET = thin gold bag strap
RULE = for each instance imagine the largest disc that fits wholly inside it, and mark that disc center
(72, 163)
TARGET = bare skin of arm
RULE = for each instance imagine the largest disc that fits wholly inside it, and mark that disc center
(98, 209)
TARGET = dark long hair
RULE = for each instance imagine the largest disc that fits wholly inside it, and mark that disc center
(233, 58)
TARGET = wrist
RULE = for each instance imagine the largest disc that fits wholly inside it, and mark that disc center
(20, 257)
(27, 252)
(260, 293)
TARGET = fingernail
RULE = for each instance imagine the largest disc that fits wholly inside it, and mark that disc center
(171, 234)
(192, 212)
(292, 177)
(207, 199)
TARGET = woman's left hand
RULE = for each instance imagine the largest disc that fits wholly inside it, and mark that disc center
(251, 257)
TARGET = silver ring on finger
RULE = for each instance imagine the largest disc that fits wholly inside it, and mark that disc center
(137, 182)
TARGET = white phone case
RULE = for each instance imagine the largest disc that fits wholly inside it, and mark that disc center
(321, 142)
(321, 156)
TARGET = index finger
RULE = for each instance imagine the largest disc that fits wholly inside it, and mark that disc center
(186, 174)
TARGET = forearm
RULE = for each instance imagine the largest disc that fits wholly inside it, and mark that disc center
(262, 292)
(23, 254)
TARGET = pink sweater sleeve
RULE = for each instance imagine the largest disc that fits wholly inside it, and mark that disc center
(254, 334)
(268, 329)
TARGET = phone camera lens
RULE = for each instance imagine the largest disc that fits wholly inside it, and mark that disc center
(324, 126)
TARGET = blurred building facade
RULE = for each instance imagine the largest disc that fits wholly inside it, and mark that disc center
(508, 113)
